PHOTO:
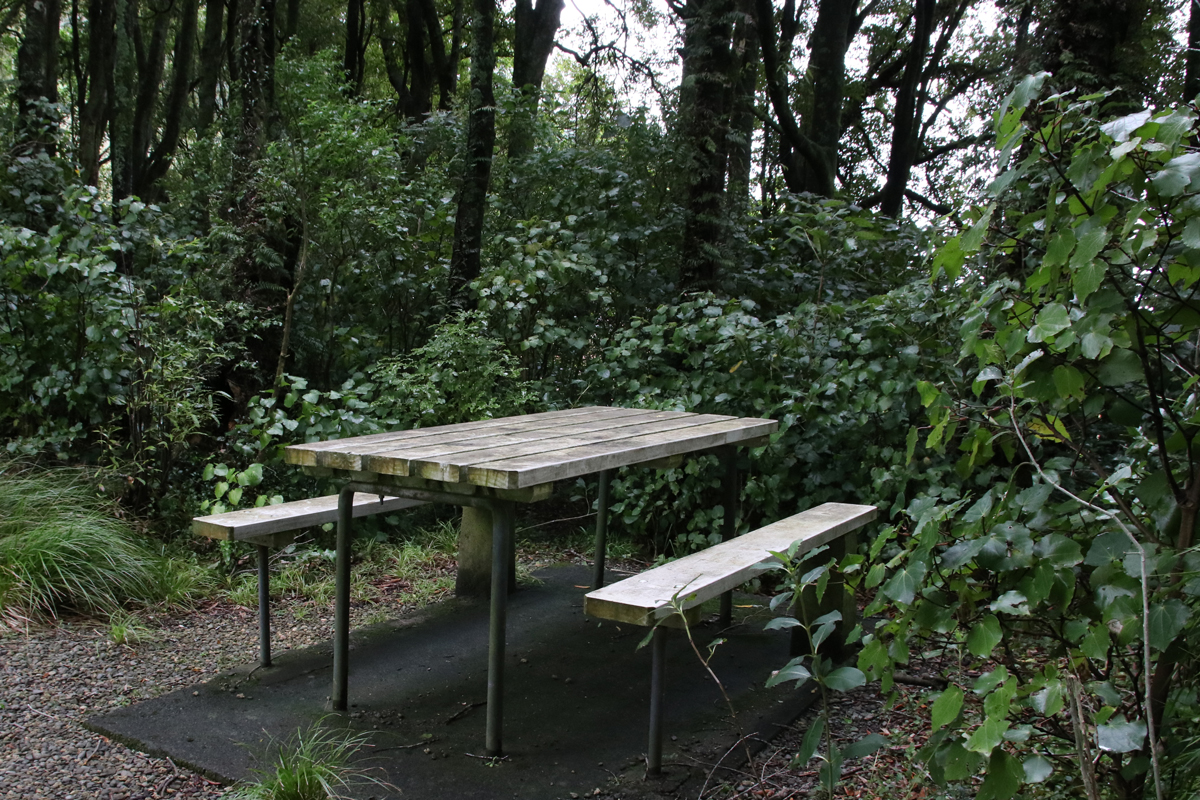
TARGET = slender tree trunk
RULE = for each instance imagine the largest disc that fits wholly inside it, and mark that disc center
(420, 75)
(704, 125)
(808, 147)
(740, 143)
(37, 73)
(95, 103)
(150, 77)
(256, 57)
(123, 89)
(211, 58)
(1191, 80)
(907, 117)
(481, 144)
(533, 41)
(159, 160)
(827, 72)
(352, 57)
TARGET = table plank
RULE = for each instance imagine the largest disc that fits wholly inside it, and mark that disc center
(644, 599)
(530, 470)
(305, 454)
(459, 441)
(452, 466)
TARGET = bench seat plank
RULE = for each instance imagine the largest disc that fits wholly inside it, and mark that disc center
(645, 599)
(252, 523)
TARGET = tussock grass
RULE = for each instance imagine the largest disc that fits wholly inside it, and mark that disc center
(312, 764)
(61, 549)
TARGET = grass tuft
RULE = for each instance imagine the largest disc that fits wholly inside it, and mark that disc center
(312, 764)
(61, 549)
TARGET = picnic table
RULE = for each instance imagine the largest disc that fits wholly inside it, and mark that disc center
(491, 464)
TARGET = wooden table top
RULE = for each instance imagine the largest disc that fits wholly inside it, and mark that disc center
(530, 450)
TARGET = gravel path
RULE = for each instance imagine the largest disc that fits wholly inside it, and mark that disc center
(53, 678)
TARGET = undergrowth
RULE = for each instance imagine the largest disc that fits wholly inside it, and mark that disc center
(62, 549)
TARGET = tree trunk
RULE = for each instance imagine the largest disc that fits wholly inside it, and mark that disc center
(122, 89)
(907, 117)
(211, 58)
(256, 68)
(533, 41)
(740, 143)
(808, 146)
(1191, 79)
(1092, 45)
(827, 73)
(37, 74)
(481, 143)
(95, 103)
(704, 127)
(416, 62)
(352, 57)
(159, 160)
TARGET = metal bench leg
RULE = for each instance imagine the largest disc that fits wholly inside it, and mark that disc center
(264, 606)
(658, 649)
(502, 529)
(601, 532)
(729, 528)
(341, 612)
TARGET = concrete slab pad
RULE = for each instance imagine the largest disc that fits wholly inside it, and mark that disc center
(576, 702)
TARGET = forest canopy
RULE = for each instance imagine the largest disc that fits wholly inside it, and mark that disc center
(952, 245)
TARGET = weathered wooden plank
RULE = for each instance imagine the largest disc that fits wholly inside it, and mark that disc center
(305, 454)
(453, 466)
(251, 523)
(645, 598)
(530, 470)
(457, 441)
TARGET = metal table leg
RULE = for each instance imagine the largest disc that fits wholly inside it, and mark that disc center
(341, 612)
(264, 606)
(601, 532)
(658, 649)
(502, 530)
(729, 529)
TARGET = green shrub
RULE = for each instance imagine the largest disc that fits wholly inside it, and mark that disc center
(61, 549)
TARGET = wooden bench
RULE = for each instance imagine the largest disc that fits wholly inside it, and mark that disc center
(654, 597)
(275, 526)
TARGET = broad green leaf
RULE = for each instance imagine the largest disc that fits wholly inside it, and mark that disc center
(810, 743)
(1096, 345)
(235, 495)
(1049, 700)
(780, 623)
(1011, 602)
(1069, 382)
(1059, 249)
(1119, 736)
(794, 671)
(1051, 320)
(844, 679)
(1166, 621)
(984, 636)
(1191, 233)
(1059, 550)
(1004, 777)
(1087, 278)
(962, 553)
(902, 586)
(1121, 367)
(865, 746)
(1037, 769)
(945, 709)
(1121, 128)
(1096, 642)
(1177, 175)
(973, 238)
(988, 735)
(1092, 236)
